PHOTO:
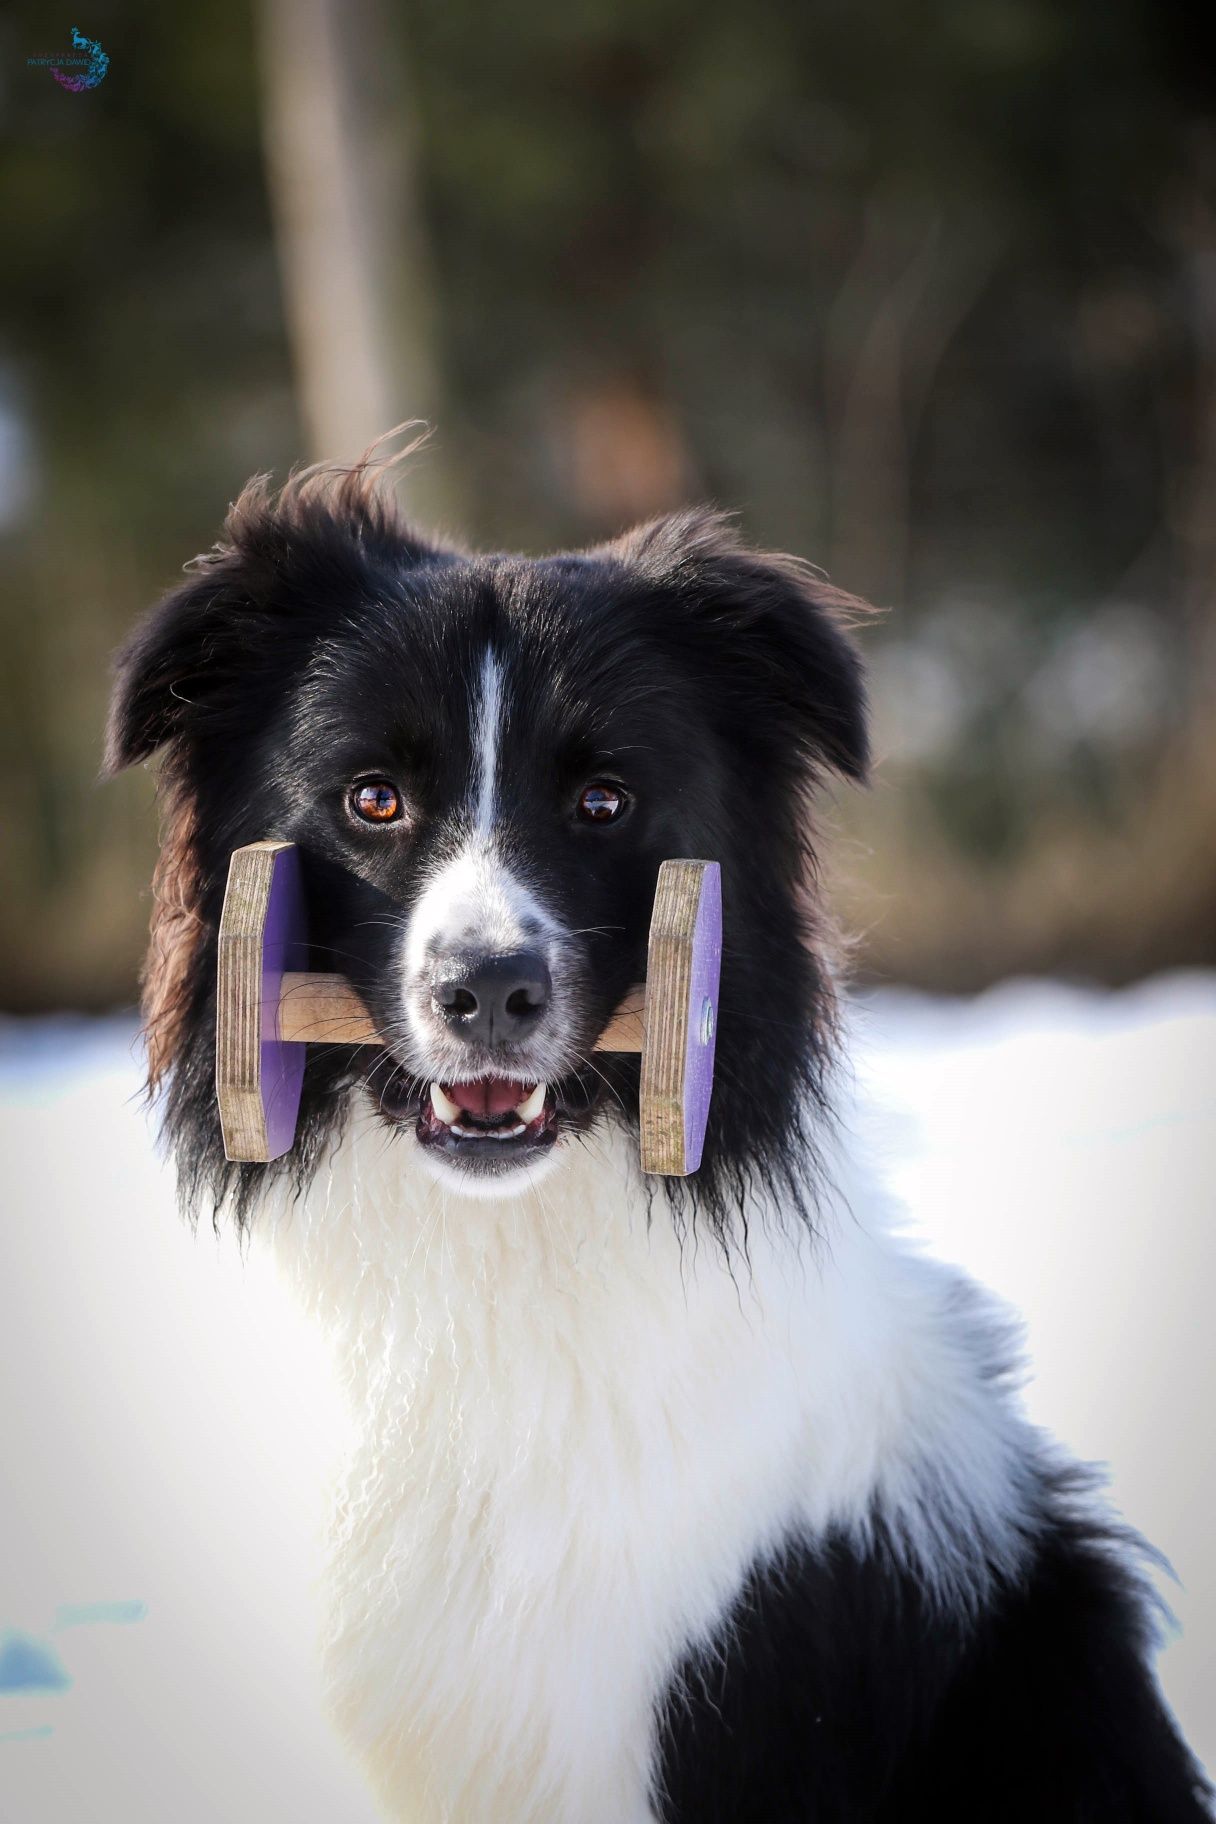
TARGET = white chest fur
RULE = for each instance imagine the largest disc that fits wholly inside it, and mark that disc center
(570, 1437)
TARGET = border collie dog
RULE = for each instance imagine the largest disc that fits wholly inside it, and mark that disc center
(695, 1500)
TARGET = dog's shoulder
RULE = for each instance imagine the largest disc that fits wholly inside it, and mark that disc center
(840, 1688)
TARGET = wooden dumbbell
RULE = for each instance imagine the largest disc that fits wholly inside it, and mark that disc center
(267, 1011)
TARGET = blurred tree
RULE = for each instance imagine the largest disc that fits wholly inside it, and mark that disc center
(143, 373)
(928, 293)
(356, 270)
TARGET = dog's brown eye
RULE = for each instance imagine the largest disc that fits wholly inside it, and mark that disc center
(601, 803)
(376, 801)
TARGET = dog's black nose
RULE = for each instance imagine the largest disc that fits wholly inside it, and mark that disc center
(491, 1000)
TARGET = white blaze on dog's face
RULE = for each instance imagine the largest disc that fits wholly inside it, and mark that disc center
(484, 967)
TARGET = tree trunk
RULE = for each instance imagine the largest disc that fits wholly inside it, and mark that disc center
(342, 179)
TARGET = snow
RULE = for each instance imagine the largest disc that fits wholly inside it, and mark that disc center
(161, 1404)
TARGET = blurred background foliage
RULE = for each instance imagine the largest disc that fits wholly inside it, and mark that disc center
(925, 290)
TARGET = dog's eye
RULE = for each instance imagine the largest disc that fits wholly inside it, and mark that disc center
(376, 801)
(601, 803)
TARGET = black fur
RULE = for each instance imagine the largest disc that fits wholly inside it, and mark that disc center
(320, 641)
(841, 1693)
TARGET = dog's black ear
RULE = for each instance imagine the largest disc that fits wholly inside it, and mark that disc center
(789, 627)
(173, 659)
(284, 563)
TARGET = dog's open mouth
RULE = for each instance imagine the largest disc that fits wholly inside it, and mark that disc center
(486, 1125)
(489, 1123)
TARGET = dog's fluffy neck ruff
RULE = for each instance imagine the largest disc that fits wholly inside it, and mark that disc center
(565, 1420)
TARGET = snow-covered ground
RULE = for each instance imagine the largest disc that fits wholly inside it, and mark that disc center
(158, 1410)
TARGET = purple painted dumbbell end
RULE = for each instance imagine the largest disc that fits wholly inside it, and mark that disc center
(284, 946)
(702, 1015)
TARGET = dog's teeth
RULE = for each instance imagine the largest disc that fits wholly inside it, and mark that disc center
(487, 1133)
(529, 1110)
(447, 1110)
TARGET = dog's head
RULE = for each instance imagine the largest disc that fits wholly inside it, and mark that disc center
(484, 760)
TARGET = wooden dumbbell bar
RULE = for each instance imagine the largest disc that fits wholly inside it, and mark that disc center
(323, 1009)
(266, 1012)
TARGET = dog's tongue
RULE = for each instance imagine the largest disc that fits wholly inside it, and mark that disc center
(488, 1097)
